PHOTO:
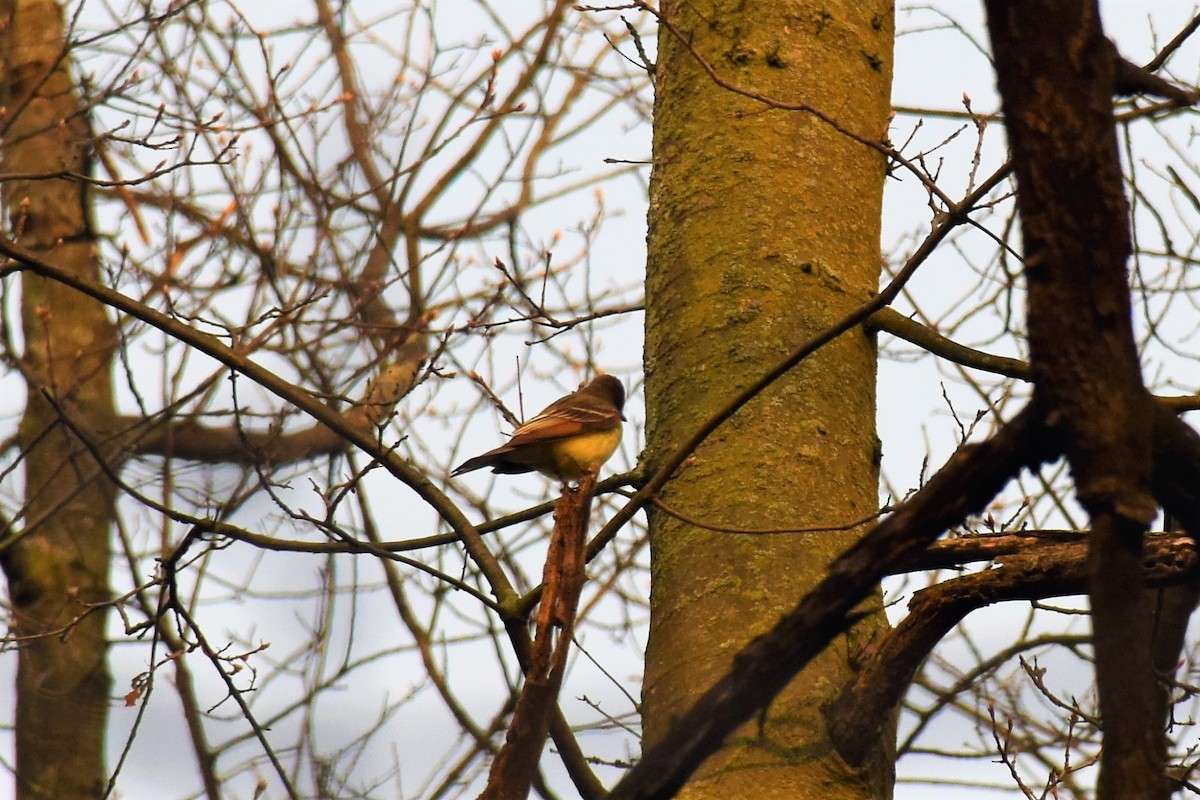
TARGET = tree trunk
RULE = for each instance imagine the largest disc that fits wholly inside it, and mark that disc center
(57, 564)
(764, 229)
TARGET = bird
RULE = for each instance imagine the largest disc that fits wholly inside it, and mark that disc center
(573, 435)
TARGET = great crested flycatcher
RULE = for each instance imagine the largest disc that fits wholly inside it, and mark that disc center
(570, 436)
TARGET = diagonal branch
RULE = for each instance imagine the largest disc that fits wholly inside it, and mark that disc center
(970, 479)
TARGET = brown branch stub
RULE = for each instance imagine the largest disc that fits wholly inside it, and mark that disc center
(1176, 475)
(515, 766)
(1134, 79)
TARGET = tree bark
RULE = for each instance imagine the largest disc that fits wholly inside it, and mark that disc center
(764, 229)
(57, 564)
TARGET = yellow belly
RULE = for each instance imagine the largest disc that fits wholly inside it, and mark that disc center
(577, 454)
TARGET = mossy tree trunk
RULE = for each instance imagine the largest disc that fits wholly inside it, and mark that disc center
(764, 229)
(57, 564)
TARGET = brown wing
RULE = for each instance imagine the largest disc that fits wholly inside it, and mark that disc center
(563, 422)
(592, 408)
(595, 407)
(545, 427)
